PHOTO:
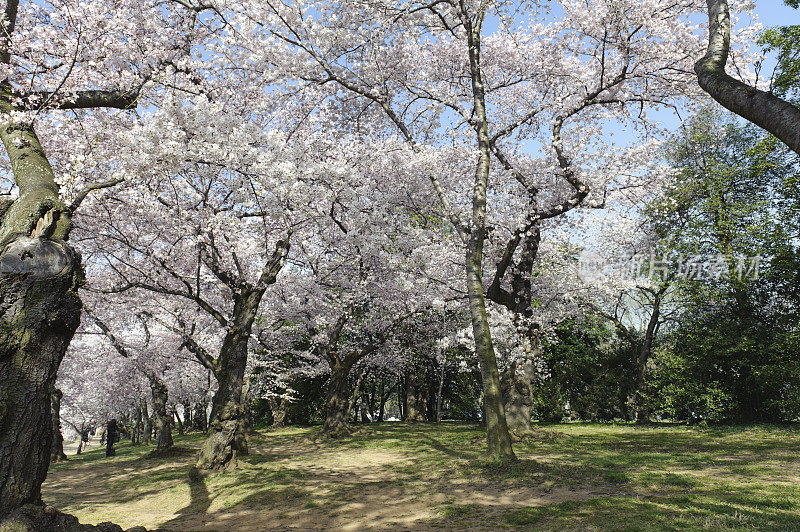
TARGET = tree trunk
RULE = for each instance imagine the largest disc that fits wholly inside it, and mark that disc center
(147, 424)
(226, 432)
(517, 387)
(163, 418)
(57, 449)
(497, 436)
(137, 426)
(337, 403)
(247, 405)
(199, 419)
(38, 317)
(278, 409)
(415, 400)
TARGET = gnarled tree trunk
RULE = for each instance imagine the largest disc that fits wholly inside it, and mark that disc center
(337, 402)
(161, 415)
(278, 408)
(226, 431)
(38, 317)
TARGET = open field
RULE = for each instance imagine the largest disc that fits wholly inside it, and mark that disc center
(428, 477)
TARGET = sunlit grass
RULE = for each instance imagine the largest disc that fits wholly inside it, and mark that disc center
(391, 475)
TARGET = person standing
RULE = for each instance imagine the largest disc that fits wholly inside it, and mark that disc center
(112, 437)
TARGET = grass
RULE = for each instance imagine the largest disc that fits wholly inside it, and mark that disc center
(391, 475)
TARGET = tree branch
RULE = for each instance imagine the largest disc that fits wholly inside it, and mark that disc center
(773, 114)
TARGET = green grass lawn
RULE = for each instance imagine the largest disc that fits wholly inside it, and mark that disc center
(426, 477)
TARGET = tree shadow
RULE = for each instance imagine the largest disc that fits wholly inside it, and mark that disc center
(200, 501)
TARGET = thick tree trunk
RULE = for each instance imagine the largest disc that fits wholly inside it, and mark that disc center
(278, 408)
(38, 317)
(415, 400)
(161, 416)
(337, 403)
(517, 388)
(226, 432)
(199, 418)
(57, 448)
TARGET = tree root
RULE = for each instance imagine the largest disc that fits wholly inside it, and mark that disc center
(37, 518)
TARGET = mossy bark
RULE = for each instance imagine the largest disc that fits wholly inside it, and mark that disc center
(415, 399)
(517, 387)
(278, 408)
(227, 437)
(161, 415)
(337, 402)
(38, 317)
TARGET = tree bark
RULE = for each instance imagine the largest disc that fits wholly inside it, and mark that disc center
(38, 318)
(147, 425)
(226, 432)
(415, 402)
(764, 109)
(337, 402)
(278, 408)
(39, 313)
(517, 384)
(57, 448)
(199, 418)
(161, 415)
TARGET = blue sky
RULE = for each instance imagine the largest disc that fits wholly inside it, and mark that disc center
(776, 13)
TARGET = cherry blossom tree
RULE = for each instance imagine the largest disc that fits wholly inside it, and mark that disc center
(375, 263)
(524, 103)
(59, 55)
